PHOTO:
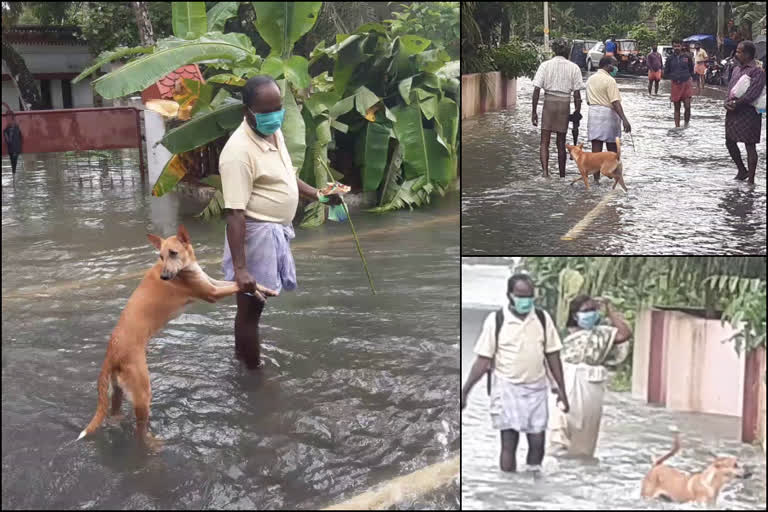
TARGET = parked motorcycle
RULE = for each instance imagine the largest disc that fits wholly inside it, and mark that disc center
(728, 65)
(714, 74)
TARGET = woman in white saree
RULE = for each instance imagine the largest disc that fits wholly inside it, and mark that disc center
(588, 346)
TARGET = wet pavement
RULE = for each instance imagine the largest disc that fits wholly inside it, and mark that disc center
(357, 389)
(681, 198)
(631, 432)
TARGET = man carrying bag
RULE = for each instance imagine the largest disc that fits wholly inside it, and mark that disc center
(520, 352)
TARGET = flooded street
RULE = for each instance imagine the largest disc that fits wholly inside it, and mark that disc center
(357, 389)
(631, 432)
(681, 198)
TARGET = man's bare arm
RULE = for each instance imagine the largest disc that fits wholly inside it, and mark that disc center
(479, 368)
(306, 191)
(236, 237)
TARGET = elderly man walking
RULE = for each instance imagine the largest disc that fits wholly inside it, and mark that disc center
(559, 77)
(605, 112)
(742, 122)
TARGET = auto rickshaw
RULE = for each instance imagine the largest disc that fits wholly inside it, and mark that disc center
(626, 54)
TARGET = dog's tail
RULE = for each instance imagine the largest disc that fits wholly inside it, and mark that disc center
(618, 148)
(673, 451)
(101, 408)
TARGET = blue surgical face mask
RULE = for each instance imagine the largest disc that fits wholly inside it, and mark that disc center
(522, 304)
(614, 71)
(269, 122)
(587, 319)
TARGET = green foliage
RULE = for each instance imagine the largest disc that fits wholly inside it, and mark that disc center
(645, 38)
(676, 20)
(517, 58)
(436, 21)
(735, 285)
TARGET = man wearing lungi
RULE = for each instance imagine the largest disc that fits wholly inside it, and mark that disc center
(559, 77)
(261, 191)
(679, 69)
(654, 68)
(520, 384)
(742, 122)
(605, 112)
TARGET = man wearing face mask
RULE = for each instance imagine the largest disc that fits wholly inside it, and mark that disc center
(679, 69)
(590, 344)
(261, 191)
(605, 112)
(514, 346)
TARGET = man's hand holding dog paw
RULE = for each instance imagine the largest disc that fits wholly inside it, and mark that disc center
(245, 281)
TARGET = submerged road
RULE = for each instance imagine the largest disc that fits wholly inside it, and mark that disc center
(682, 198)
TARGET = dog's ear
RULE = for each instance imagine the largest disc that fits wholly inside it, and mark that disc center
(581, 146)
(183, 235)
(155, 240)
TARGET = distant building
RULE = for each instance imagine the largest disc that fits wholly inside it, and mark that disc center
(54, 56)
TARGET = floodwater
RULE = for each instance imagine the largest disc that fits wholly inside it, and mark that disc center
(681, 198)
(631, 432)
(357, 389)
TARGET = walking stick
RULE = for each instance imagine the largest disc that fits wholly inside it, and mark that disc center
(352, 227)
(633, 142)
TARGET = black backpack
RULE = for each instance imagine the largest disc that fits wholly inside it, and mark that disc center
(499, 322)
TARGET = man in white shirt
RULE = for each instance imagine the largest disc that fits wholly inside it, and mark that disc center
(521, 354)
(559, 77)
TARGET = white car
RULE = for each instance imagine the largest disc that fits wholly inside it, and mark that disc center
(594, 55)
(665, 50)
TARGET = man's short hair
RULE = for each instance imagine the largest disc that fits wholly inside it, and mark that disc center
(252, 88)
(560, 46)
(748, 47)
(676, 41)
(519, 277)
(606, 61)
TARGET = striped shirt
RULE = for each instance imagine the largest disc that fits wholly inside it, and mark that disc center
(559, 77)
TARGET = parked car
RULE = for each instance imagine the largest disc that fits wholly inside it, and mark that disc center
(665, 50)
(594, 55)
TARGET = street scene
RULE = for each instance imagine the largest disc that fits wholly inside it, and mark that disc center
(633, 366)
(693, 168)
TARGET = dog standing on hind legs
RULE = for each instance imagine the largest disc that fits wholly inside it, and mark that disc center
(173, 282)
(607, 163)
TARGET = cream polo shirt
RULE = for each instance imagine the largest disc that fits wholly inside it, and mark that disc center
(602, 89)
(520, 355)
(258, 177)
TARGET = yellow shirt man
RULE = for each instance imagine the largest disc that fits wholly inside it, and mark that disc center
(258, 177)
(520, 353)
(602, 89)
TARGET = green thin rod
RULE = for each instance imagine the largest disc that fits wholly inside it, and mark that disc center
(352, 227)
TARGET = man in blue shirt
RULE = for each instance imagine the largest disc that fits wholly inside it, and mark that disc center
(610, 46)
(679, 69)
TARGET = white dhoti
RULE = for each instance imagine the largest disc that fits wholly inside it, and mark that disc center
(575, 433)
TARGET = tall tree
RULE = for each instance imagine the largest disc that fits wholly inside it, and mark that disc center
(146, 34)
(20, 75)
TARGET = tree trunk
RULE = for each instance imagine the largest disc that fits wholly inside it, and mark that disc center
(22, 78)
(146, 35)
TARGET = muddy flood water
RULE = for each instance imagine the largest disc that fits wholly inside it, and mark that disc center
(631, 432)
(681, 197)
(357, 389)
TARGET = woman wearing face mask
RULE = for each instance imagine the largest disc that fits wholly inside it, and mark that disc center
(605, 112)
(590, 344)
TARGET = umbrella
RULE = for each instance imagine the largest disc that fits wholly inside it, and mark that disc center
(575, 118)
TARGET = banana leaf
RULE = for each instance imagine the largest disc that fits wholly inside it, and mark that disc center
(394, 170)
(281, 24)
(139, 74)
(347, 59)
(227, 79)
(172, 173)
(188, 19)
(432, 60)
(293, 127)
(442, 167)
(215, 207)
(415, 192)
(365, 99)
(219, 14)
(314, 215)
(410, 133)
(372, 154)
(106, 57)
(203, 129)
(294, 69)
(447, 124)
(412, 45)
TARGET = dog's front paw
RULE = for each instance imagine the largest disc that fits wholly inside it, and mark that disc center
(267, 291)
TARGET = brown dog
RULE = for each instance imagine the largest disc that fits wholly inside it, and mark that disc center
(607, 162)
(173, 282)
(663, 481)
